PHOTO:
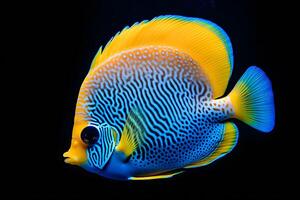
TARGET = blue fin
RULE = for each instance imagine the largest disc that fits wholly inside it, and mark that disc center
(252, 100)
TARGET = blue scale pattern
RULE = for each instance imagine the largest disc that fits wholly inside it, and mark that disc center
(174, 97)
(100, 152)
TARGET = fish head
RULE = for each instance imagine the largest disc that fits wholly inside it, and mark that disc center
(77, 153)
(92, 145)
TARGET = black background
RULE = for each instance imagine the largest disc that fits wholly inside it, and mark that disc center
(50, 46)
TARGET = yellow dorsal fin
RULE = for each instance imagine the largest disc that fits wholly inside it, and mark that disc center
(132, 134)
(159, 176)
(203, 40)
(225, 146)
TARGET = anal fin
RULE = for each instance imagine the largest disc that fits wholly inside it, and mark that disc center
(159, 176)
(226, 145)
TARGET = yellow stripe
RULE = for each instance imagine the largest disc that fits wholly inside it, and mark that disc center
(155, 177)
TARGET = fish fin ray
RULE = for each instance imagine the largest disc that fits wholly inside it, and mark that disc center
(226, 145)
(252, 100)
(132, 133)
(203, 40)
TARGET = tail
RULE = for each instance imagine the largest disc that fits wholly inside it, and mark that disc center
(252, 100)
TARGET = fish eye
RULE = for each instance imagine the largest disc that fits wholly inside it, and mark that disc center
(90, 135)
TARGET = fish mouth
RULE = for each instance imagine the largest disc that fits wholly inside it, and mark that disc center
(76, 155)
(71, 160)
(68, 160)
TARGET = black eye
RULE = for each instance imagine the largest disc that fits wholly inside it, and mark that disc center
(90, 135)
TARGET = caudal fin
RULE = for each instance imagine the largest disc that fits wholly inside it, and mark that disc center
(252, 100)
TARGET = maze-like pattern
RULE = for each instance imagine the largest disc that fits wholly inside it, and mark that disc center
(174, 96)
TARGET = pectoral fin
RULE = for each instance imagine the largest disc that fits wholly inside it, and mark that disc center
(132, 134)
(225, 146)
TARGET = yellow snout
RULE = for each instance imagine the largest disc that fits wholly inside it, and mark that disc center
(77, 153)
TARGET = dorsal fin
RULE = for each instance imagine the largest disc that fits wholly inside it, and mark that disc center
(203, 40)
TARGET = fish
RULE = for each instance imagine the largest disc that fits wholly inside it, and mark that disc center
(153, 104)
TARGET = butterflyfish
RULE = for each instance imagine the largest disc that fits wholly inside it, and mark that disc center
(153, 103)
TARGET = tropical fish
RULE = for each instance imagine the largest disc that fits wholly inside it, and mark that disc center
(153, 103)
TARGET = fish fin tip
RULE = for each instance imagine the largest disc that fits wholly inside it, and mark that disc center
(98, 54)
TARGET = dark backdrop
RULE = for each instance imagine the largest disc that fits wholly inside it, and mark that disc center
(52, 45)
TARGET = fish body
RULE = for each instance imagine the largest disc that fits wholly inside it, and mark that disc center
(150, 106)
